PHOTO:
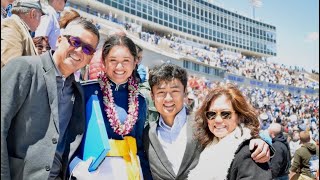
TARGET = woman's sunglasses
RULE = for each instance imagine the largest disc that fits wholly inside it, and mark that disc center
(211, 115)
(76, 42)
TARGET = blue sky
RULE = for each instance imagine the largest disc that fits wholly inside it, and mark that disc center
(297, 23)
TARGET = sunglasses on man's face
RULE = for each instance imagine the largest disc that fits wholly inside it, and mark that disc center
(211, 115)
(76, 42)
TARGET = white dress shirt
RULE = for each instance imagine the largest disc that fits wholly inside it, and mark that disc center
(174, 139)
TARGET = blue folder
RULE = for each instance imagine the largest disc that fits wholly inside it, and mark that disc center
(96, 141)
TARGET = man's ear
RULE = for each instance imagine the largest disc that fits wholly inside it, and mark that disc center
(32, 14)
(152, 96)
(59, 39)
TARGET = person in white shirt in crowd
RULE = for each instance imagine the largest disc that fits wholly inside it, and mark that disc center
(49, 24)
(294, 143)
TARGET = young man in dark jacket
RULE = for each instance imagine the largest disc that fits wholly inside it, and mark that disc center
(280, 163)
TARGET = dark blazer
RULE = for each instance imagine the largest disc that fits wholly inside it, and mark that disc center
(159, 164)
(244, 167)
(30, 120)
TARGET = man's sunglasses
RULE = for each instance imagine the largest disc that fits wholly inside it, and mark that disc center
(76, 42)
(211, 115)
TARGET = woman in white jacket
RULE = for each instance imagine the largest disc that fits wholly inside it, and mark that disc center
(225, 123)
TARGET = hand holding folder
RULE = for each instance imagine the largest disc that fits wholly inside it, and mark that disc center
(96, 141)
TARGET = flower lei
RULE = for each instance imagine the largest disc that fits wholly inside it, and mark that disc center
(109, 107)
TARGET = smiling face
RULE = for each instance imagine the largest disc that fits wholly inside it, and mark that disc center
(219, 126)
(69, 58)
(119, 64)
(168, 98)
(41, 44)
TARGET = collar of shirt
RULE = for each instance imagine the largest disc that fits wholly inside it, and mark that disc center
(118, 87)
(58, 72)
(168, 133)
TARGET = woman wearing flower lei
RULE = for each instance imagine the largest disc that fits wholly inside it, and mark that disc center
(124, 111)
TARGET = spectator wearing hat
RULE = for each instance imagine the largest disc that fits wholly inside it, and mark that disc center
(264, 121)
(49, 25)
(15, 31)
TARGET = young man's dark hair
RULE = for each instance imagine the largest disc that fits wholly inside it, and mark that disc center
(86, 24)
(167, 72)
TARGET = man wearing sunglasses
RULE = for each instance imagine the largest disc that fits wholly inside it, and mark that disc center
(42, 106)
(169, 139)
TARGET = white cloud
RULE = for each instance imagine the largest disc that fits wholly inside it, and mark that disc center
(313, 36)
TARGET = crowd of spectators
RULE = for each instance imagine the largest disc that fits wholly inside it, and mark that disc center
(235, 63)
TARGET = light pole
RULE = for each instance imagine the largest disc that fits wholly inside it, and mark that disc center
(255, 4)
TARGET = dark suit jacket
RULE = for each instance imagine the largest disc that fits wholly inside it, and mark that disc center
(159, 164)
(30, 120)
